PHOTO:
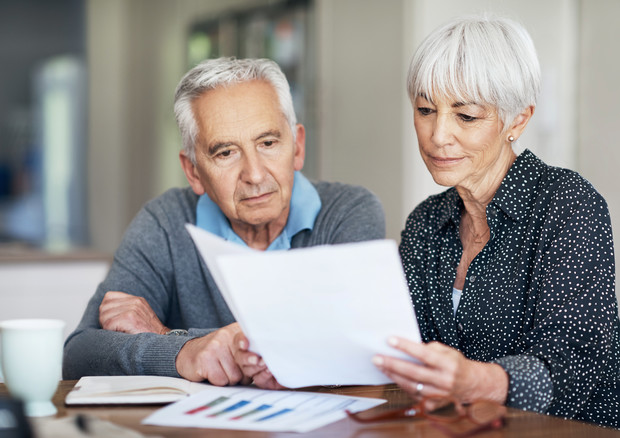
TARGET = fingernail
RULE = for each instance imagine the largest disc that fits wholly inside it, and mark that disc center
(393, 341)
(253, 360)
(242, 345)
(262, 362)
(377, 360)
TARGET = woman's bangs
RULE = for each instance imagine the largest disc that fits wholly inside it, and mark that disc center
(443, 80)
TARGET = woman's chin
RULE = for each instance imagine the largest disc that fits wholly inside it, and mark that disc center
(444, 180)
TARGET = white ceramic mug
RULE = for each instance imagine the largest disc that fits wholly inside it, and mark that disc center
(32, 361)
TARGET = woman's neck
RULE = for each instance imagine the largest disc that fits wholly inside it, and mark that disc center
(477, 196)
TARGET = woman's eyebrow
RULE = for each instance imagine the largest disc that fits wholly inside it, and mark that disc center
(425, 97)
(460, 104)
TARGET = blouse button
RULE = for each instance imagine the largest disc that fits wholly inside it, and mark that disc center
(472, 278)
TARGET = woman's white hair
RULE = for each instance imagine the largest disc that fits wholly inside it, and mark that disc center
(221, 72)
(479, 59)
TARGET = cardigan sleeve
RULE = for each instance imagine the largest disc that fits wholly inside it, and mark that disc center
(143, 267)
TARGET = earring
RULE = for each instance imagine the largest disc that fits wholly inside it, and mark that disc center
(511, 138)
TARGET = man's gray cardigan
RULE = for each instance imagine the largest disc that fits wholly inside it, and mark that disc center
(157, 260)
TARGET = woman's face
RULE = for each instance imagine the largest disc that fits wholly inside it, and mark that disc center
(462, 143)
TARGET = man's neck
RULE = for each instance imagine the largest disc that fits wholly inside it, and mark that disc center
(260, 236)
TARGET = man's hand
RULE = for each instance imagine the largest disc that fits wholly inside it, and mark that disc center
(252, 364)
(212, 358)
(127, 313)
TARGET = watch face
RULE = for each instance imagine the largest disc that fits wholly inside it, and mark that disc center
(177, 332)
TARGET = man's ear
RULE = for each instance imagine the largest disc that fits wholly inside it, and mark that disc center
(191, 173)
(520, 122)
(300, 147)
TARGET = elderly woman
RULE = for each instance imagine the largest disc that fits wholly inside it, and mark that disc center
(511, 270)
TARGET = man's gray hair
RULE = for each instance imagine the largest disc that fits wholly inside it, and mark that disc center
(221, 72)
(478, 59)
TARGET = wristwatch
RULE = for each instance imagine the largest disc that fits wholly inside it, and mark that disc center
(177, 332)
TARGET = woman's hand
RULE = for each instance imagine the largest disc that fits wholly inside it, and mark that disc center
(443, 371)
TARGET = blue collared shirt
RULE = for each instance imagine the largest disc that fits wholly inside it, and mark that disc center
(305, 207)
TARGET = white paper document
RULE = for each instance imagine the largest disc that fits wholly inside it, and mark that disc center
(256, 409)
(316, 315)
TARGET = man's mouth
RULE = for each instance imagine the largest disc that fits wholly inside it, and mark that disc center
(257, 198)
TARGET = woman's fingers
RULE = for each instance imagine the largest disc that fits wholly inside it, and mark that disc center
(436, 366)
(431, 354)
(439, 370)
(413, 372)
(416, 390)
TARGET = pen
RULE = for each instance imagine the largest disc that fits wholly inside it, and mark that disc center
(81, 421)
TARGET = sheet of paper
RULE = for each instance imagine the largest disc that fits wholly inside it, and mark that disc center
(245, 408)
(316, 315)
(210, 248)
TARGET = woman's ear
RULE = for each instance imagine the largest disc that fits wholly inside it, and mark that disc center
(520, 122)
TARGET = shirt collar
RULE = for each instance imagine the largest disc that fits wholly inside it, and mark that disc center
(449, 209)
(514, 196)
(305, 207)
(518, 189)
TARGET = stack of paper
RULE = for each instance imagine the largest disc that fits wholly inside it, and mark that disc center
(316, 315)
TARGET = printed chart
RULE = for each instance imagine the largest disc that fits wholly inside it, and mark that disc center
(257, 409)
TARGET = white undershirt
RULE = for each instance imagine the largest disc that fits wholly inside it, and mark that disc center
(456, 298)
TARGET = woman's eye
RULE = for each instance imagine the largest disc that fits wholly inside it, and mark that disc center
(467, 117)
(424, 111)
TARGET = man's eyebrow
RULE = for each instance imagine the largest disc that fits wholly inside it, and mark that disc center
(272, 133)
(215, 147)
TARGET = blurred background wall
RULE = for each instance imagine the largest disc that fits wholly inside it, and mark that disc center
(349, 59)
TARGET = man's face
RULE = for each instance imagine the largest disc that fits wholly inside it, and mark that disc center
(245, 153)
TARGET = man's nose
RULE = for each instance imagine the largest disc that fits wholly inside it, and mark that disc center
(253, 171)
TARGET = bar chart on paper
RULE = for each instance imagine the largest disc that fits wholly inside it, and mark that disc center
(256, 409)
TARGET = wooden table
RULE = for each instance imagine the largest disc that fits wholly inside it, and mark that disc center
(518, 423)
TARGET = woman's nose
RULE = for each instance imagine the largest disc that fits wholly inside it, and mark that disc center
(442, 131)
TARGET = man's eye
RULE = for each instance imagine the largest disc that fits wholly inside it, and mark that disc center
(224, 154)
(424, 111)
(268, 143)
(467, 117)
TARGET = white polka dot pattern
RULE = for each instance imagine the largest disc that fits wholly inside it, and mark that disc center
(539, 299)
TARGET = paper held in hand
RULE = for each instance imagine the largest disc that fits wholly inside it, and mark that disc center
(316, 315)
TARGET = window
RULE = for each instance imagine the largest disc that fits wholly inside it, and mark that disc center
(43, 123)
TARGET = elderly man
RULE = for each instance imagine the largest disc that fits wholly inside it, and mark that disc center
(159, 311)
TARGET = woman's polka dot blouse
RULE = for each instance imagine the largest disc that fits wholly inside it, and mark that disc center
(539, 299)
